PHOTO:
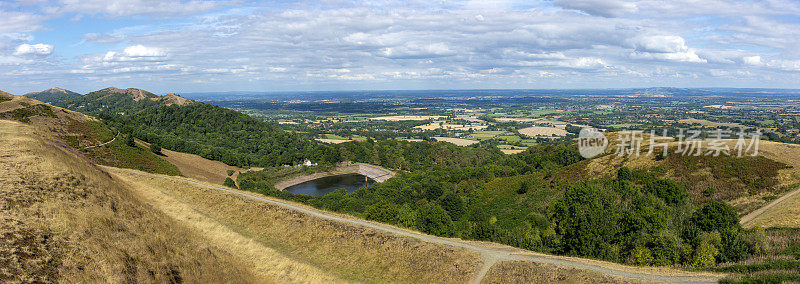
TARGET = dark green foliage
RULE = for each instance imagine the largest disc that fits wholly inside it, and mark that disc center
(155, 148)
(53, 95)
(715, 216)
(668, 190)
(624, 173)
(230, 172)
(129, 141)
(229, 182)
(793, 250)
(453, 204)
(382, 212)
(523, 187)
(434, 220)
(586, 219)
(708, 192)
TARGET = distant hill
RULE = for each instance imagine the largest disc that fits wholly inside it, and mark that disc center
(83, 133)
(53, 95)
(121, 101)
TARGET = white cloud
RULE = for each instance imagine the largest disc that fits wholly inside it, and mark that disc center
(39, 49)
(752, 60)
(605, 8)
(120, 8)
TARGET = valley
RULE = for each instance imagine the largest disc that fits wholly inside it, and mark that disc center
(449, 211)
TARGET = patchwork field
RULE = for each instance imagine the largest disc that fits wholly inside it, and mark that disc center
(457, 141)
(459, 127)
(406, 117)
(543, 131)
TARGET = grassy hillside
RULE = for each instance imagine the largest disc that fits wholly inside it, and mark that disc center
(119, 101)
(82, 133)
(66, 220)
(53, 95)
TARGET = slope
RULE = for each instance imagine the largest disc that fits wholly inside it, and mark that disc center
(113, 100)
(81, 132)
(66, 220)
(375, 251)
(53, 95)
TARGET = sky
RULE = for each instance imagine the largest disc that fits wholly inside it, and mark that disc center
(330, 45)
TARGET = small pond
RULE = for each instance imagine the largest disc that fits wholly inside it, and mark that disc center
(325, 185)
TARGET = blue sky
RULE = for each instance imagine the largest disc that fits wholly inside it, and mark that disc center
(192, 46)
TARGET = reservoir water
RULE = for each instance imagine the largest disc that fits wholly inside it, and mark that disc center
(325, 185)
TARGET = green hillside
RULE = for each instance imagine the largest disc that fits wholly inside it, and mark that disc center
(53, 95)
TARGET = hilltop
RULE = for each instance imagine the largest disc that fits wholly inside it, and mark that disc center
(53, 95)
(114, 100)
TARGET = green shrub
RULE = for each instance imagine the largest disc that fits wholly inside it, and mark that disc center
(229, 183)
(155, 148)
(382, 212)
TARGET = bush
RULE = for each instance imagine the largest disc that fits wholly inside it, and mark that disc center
(129, 140)
(624, 173)
(155, 148)
(715, 216)
(382, 212)
(229, 183)
(706, 253)
(230, 172)
(432, 219)
(523, 187)
(641, 256)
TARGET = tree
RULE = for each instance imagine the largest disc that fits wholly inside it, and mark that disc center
(382, 212)
(706, 253)
(523, 187)
(229, 183)
(434, 220)
(624, 173)
(453, 205)
(715, 216)
(155, 148)
(586, 217)
(129, 140)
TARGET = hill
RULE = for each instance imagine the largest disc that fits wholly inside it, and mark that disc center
(53, 95)
(120, 101)
(83, 133)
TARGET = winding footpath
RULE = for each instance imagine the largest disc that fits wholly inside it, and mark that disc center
(759, 211)
(102, 144)
(490, 253)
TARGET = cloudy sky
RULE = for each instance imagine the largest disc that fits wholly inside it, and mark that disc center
(190, 46)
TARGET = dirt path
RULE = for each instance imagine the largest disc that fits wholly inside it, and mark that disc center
(104, 143)
(491, 253)
(265, 261)
(759, 211)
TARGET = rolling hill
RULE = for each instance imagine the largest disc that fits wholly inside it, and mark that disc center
(113, 100)
(53, 95)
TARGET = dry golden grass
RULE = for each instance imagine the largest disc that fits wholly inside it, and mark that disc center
(199, 168)
(406, 117)
(460, 127)
(511, 151)
(711, 123)
(66, 220)
(346, 251)
(543, 131)
(531, 272)
(457, 141)
(258, 258)
(784, 214)
(332, 141)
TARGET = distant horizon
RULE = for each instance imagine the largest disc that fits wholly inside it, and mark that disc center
(404, 90)
(267, 46)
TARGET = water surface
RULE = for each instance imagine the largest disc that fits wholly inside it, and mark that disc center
(325, 185)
